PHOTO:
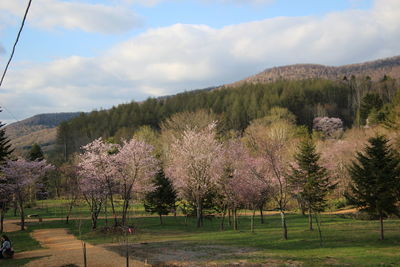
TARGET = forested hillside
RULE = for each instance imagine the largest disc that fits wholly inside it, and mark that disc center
(236, 107)
(374, 69)
(40, 129)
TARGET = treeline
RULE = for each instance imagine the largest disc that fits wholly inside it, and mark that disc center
(235, 107)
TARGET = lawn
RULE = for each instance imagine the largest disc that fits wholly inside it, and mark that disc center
(346, 241)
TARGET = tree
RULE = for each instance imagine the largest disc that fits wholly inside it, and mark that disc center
(98, 160)
(136, 166)
(194, 165)
(242, 183)
(5, 195)
(369, 101)
(19, 175)
(375, 178)
(69, 174)
(35, 153)
(310, 181)
(93, 189)
(162, 199)
(273, 144)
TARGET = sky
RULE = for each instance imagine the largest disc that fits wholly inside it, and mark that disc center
(81, 55)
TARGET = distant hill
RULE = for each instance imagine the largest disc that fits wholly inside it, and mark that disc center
(374, 69)
(41, 129)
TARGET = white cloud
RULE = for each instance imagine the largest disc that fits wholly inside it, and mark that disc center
(48, 14)
(171, 59)
(150, 3)
(242, 2)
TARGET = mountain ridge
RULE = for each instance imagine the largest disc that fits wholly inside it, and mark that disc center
(375, 69)
(40, 129)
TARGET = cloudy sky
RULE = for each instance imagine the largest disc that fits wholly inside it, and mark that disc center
(80, 55)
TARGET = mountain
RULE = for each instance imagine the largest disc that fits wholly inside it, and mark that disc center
(40, 129)
(374, 69)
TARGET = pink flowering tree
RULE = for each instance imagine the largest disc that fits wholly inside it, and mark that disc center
(136, 168)
(273, 144)
(93, 189)
(249, 183)
(5, 199)
(19, 176)
(98, 160)
(194, 165)
(227, 199)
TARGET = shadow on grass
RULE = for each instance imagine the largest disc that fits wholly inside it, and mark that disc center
(16, 262)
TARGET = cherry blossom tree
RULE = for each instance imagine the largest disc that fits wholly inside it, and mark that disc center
(195, 163)
(249, 183)
(136, 167)
(93, 189)
(272, 144)
(240, 183)
(98, 159)
(5, 199)
(20, 175)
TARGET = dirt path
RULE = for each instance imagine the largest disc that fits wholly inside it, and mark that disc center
(64, 249)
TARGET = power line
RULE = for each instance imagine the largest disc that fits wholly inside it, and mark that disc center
(13, 51)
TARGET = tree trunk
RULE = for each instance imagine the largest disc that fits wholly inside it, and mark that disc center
(229, 218)
(252, 220)
(71, 204)
(2, 213)
(284, 227)
(94, 221)
(113, 211)
(261, 215)
(381, 222)
(319, 228)
(21, 207)
(222, 227)
(199, 213)
(15, 208)
(235, 226)
(310, 224)
(105, 212)
(161, 221)
(125, 211)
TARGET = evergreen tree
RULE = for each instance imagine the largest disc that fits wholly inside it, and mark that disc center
(5, 144)
(375, 180)
(42, 190)
(369, 102)
(5, 152)
(309, 180)
(35, 153)
(163, 198)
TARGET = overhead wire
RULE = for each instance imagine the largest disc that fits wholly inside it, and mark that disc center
(13, 52)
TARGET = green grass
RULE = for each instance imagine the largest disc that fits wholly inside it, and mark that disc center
(346, 241)
(58, 208)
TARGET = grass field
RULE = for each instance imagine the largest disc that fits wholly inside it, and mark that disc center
(346, 241)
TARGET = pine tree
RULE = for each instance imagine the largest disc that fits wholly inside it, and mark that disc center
(5, 145)
(309, 180)
(42, 191)
(375, 180)
(5, 152)
(35, 153)
(163, 198)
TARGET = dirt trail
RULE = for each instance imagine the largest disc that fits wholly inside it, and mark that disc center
(65, 249)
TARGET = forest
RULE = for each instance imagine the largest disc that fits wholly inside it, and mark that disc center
(234, 107)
